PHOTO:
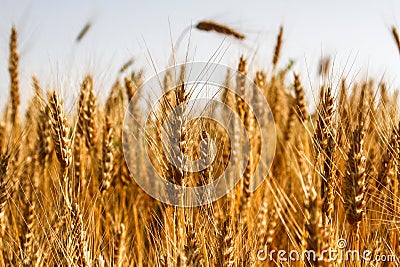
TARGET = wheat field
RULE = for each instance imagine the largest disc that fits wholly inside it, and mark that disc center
(69, 197)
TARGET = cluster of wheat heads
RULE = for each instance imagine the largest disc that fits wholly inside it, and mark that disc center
(68, 198)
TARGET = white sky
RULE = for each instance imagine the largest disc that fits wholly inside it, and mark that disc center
(356, 33)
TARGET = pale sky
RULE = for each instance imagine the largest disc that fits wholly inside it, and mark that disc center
(355, 33)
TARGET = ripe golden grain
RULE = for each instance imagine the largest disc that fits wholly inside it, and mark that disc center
(335, 174)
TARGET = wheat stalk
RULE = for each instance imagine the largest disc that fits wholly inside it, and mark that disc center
(13, 70)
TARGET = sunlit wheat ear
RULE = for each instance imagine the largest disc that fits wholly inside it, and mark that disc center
(248, 172)
(62, 142)
(113, 98)
(260, 81)
(193, 248)
(329, 182)
(40, 162)
(60, 130)
(247, 119)
(276, 96)
(82, 101)
(343, 96)
(90, 113)
(130, 87)
(241, 87)
(325, 112)
(262, 219)
(36, 86)
(207, 25)
(259, 87)
(273, 225)
(387, 169)
(44, 136)
(79, 135)
(354, 184)
(37, 99)
(301, 106)
(278, 47)
(107, 157)
(176, 136)
(78, 162)
(290, 123)
(14, 73)
(204, 147)
(228, 243)
(29, 184)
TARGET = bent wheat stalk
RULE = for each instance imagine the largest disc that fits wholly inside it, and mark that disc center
(208, 25)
